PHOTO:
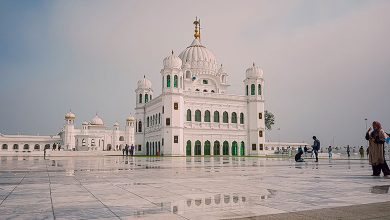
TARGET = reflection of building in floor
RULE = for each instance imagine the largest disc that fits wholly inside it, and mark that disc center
(211, 202)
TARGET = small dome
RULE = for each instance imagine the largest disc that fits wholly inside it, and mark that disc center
(254, 72)
(130, 118)
(116, 124)
(85, 123)
(172, 61)
(70, 115)
(144, 84)
(97, 121)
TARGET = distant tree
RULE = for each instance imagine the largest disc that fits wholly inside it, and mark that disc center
(269, 120)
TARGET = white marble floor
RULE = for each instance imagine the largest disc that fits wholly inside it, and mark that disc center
(115, 187)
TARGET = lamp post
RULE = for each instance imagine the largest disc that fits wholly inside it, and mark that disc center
(367, 130)
(279, 137)
(366, 123)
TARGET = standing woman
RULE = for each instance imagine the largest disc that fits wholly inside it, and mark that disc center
(377, 151)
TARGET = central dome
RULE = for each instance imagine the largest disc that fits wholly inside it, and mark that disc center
(198, 56)
(197, 52)
(97, 120)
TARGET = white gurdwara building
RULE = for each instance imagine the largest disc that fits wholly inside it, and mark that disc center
(195, 115)
(92, 136)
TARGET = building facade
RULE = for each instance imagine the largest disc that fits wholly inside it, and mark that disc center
(92, 136)
(195, 115)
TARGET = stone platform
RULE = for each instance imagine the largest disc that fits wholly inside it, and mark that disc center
(116, 187)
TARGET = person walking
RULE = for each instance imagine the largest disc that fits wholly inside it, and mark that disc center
(316, 147)
(348, 151)
(305, 150)
(330, 152)
(361, 151)
(127, 150)
(376, 142)
(123, 151)
(132, 150)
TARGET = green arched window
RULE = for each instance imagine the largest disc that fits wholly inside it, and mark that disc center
(216, 148)
(168, 81)
(198, 116)
(242, 149)
(234, 117)
(253, 89)
(188, 148)
(225, 117)
(216, 116)
(175, 81)
(259, 89)
(189, 115)
(207, 147)
(198, 150)
(146, 98)
(241, 118)
(207, 116)
(225, 148)
(234, 148)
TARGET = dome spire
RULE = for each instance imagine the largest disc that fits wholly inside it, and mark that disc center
(197, 28)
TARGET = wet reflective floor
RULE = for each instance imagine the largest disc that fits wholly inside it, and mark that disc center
(180, 188)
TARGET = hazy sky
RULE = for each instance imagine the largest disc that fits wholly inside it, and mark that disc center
(326, 63)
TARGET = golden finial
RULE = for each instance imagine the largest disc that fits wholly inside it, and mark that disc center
(197, 28)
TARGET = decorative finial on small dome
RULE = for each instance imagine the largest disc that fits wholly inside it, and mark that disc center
(197, 28)
(253, 64)
(172, 52)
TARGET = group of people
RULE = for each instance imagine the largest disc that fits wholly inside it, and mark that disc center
(376, 138)
(128, 149)
(316, 148)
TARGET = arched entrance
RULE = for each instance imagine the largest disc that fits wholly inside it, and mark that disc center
(216, 148)
(188, 148)
(147, 148)
(207, 146)
(26, 147)
(198, 146)
(242, 149)
(234, 148)
(37, 147)
(225, 148)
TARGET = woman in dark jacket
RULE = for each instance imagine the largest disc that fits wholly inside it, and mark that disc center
(377, 151)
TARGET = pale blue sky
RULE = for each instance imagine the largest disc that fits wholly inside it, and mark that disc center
(326, 63)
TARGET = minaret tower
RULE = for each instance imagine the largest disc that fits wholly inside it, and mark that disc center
(173, 106)
(129, 129)
(254, 84)
(69, 141)
(144, 94)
